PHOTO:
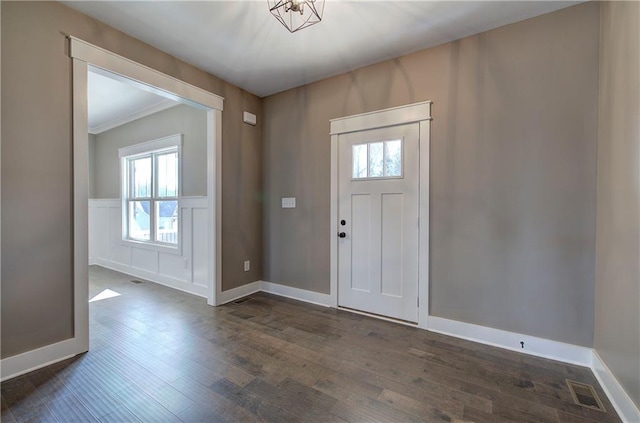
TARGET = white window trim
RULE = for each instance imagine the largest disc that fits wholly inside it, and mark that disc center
(143, 148)
(153, 145)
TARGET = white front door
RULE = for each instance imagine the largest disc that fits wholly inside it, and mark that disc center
(378, 174)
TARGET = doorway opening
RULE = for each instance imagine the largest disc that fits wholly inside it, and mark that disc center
(86, 58)
(147, 184)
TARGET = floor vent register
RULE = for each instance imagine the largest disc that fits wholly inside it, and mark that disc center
(585, 395)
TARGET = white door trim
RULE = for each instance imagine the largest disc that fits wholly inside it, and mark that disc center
(86, 55)
(148, 78)
(80, 208)
(412, 113)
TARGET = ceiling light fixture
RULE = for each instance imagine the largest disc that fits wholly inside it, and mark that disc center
(297, 14)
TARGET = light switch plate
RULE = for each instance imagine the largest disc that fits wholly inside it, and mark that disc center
(247, 265)
(288, 202)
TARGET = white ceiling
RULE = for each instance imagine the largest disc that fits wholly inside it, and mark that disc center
(242, 43)
(113, 103)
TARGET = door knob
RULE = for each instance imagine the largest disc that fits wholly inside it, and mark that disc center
(343, 222)
(342, 235)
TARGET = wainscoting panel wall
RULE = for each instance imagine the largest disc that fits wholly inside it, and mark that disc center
(186, 271)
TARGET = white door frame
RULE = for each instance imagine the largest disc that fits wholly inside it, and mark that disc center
(85, 55)
(413, 113)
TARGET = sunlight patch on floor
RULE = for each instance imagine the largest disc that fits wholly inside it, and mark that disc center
(107, 293)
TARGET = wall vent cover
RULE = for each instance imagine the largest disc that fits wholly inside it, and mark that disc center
(241, 300)
(585, 395)
(136, 281)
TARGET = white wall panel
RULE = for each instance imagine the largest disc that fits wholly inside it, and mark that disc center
(92, 246)
(186, 271)
(175, 266)
(99, 230)
(200, 254)
(143, 259)
(117, 252)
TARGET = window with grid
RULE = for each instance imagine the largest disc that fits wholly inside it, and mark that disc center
(151, 194)
(377, 160)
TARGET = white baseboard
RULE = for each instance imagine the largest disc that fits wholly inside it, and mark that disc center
(38, 358)
(297, 294)
(239, 292)
(276, 289)
(621, 401)
(539, 347)
(178, 284)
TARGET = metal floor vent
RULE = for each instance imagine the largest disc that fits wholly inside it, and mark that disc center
(241, 300)
(585, 395)
(136, 281)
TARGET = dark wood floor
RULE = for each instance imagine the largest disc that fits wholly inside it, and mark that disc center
(159, 355)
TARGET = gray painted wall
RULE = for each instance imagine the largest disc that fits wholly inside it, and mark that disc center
(513, 172)
(182, 119)
(617, 302)
(37, 255)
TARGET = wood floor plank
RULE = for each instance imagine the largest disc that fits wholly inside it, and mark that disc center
(305, 402)
(146, 381)
(99, 403)
(340, 386)
(362, 409)
(160, 355)
(6, 416)
(38, 413)
(262, 409)
(70, 409)
(210, 402)
(478, 416)
(441, 409)
(20, 390)
(120, 415)
(573, 418)
(524, 411)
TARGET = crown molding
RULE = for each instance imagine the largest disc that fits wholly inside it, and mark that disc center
(147, 111)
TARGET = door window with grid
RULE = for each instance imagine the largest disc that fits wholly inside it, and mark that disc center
(151, 193)
(377, 160)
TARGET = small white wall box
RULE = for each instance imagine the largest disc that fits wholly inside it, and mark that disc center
(249, 118)
(289, 202)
